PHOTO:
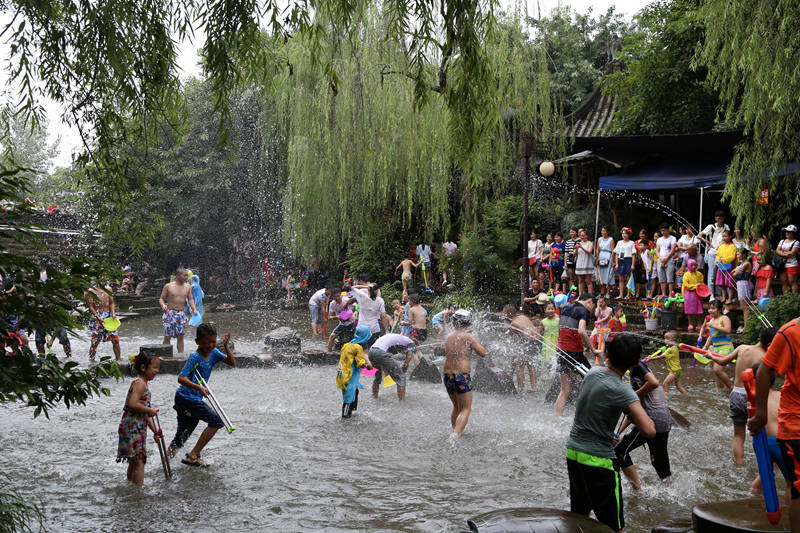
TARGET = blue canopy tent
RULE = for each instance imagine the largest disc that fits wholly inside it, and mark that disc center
(676, 174)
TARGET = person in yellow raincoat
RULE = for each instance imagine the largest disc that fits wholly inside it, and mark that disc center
(348, 374)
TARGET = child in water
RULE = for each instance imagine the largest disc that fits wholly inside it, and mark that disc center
(458, 348)
(351, 361)
(189, 396)
(136, 418)
(673, 358)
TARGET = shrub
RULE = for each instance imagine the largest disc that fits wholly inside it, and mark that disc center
(781, 310)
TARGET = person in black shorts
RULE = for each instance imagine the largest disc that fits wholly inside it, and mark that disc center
(654, 402)
(572, 338)
(592, 466)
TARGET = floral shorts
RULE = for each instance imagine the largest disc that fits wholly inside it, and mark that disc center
(99, 333)
(174, 323)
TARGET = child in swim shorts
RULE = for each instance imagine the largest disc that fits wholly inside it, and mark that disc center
(458, 348)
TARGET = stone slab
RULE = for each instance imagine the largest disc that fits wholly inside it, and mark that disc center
(534, 519)
(736, 516)
(157, 350)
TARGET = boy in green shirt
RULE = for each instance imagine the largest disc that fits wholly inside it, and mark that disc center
(594, 480)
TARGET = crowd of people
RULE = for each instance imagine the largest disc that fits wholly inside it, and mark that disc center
(736, 269)
(581, 337)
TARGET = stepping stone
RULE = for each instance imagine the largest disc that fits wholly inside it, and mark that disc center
(426, 371)
(534, 519)
(737, 515)
(283, 340)
(156, 350)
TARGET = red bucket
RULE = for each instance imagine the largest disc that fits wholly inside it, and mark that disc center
(703, 291)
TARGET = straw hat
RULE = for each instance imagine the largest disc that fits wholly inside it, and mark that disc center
(542, 298)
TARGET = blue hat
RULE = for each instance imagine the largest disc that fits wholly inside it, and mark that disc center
(363, 334)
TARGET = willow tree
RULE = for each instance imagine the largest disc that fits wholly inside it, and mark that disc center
(752, 50)
(365, 146)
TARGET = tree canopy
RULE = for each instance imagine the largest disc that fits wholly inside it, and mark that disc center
(751, 50)
(658, 91)
(577, 50)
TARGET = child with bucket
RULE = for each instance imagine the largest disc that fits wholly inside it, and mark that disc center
(351, 361)
(692, 303)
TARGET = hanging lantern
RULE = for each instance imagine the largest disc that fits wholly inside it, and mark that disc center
(763, 197)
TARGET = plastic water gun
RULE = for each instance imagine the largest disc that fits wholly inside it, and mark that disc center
(425, 277)
(699, 353)
(573, 292)
(672, 300)
(761, 447)
(655, 354)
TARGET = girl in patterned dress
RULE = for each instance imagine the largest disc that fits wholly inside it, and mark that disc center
(136, 417)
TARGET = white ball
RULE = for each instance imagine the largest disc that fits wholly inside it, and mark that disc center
(547, 168)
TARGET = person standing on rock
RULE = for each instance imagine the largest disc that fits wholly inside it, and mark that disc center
(382, 356)
(101, 306)
(173, 300)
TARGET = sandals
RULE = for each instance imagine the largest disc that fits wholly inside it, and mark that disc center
(194, 461)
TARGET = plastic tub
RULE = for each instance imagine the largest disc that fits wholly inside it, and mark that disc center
(651, 324)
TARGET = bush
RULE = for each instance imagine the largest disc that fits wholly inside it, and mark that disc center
(491, 250)
(17, 513)
(461, 299)
(376, 252)
(781, 310)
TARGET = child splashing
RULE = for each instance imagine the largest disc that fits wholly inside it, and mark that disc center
(351, 360)
(189, 397)
(137, 416)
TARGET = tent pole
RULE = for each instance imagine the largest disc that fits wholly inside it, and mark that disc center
(700, 222)
(597, 215)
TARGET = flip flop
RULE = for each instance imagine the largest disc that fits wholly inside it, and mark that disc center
(194, 461)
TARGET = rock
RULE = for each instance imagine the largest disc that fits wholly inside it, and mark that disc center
(534, 519)
(736, 515)
(319, 358)
(492, 380)
(221, 347)
(172, 365)
(426, 371)
(282, 340)
(156, 350)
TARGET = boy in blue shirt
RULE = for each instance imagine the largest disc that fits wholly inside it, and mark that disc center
(189, 397)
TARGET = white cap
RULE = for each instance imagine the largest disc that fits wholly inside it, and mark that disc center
(462, 315)
(791, 227)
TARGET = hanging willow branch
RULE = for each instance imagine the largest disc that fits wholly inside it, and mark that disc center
(368, 152)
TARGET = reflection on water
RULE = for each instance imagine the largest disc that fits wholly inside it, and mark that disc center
(292, 464)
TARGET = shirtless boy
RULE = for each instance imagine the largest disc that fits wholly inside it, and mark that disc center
(417, 319)
(458, 347)
(528, 337)
(101, 306)
(406, 265)
(173, 305)
(745, 355)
